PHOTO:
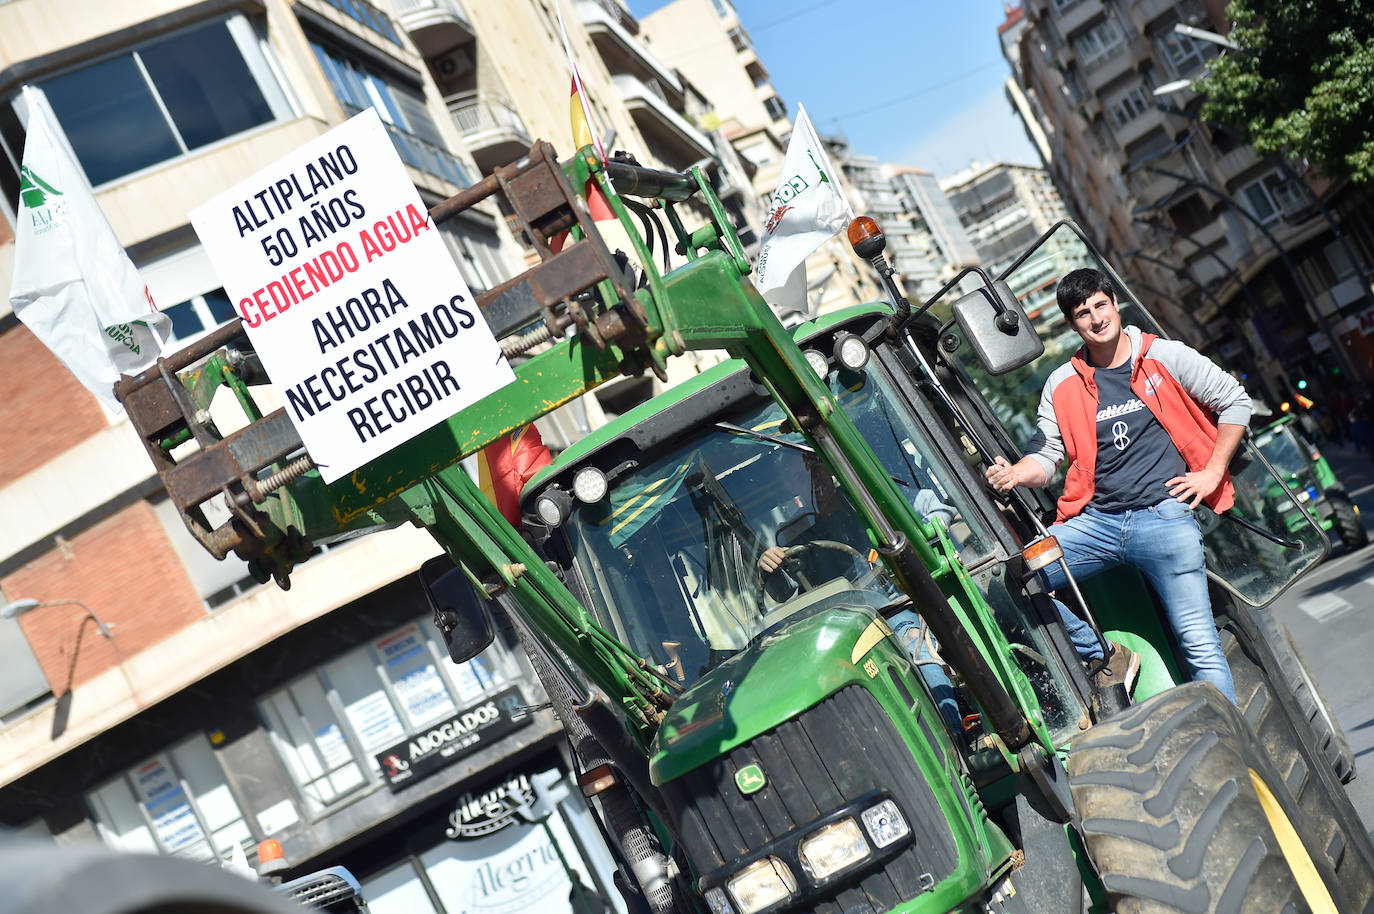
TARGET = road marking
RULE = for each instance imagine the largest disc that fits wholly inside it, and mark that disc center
(1361, 490)
(1324, 606)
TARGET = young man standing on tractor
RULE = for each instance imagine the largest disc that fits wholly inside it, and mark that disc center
(1134, 415)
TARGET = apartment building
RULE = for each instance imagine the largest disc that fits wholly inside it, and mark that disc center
(1005, 208)
(707, 42)
(926, 244)
(158, 701)
(1234, 250)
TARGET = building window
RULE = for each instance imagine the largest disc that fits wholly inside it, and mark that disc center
(723, 8)
(740, 39)
(23, 687)
(477, 253)
(166, 98)
(330, 723)
(498, 857)
(1062, 6)
(1128, 106)
(1184, 56)
(196, 315)
(365, 14)
(761, 153)
(402, 109)
(1272, 197)
(1095, 46)
(775, 108)
(177, 802)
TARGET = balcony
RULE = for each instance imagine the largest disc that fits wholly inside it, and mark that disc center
(491, 127)
(673, 138)
(1119, 60)
(422, 155)
(435, 26)
(1209, 235)
(1077, 16)
(612, 30)
(1140, 125)
(1234, 164)
(1144, 12)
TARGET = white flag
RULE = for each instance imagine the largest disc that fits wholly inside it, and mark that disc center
(74, 286)
(808, 208)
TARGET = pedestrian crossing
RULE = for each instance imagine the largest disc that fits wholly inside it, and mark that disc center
(1325, 606)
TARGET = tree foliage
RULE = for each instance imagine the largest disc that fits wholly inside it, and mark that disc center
(1302, 83)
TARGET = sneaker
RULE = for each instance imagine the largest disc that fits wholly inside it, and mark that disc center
(1122, 669)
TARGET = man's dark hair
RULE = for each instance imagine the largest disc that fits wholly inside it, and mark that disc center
(1080, 285)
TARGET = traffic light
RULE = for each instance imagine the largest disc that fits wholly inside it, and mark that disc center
(1302, 384)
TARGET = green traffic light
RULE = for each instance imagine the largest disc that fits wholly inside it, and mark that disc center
(1302, 385)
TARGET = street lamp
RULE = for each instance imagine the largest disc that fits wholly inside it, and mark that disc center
(16, 608)
(1197, 34)
(62, 709)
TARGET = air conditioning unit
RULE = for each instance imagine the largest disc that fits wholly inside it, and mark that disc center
(452, 67)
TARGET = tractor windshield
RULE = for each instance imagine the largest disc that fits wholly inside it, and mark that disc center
(673, 555)
(1281, 449)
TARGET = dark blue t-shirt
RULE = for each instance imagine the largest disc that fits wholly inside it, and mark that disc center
(1135, 457)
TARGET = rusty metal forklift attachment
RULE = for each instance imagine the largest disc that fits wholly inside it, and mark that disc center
(576, 283)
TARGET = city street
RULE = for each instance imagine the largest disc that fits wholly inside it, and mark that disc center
(1331, 616)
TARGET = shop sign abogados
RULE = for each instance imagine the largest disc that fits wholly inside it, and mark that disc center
(464, 733)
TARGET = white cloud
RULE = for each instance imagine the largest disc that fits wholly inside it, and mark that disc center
(988, 130)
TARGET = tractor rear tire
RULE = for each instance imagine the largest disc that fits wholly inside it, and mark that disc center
(1256, 702)
(1172, 797)
(1310, 764)
(1346, 520)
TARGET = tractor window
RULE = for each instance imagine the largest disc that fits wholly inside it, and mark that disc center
(1283, 451)
(672, 555)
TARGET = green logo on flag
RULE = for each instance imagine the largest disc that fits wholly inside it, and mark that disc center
(749, 779)
(33, 190)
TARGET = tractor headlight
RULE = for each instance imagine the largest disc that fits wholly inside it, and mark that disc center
(719, 904)
(590, 485)
(851, 351)
(762, 883)
(553, 506)
(884, 823)
(818, 362)
(833, 848)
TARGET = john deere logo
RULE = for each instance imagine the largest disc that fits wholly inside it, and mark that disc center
(34, 190)
(750, 779)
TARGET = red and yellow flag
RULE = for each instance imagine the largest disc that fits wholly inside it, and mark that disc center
(505, 465)
(583, 136)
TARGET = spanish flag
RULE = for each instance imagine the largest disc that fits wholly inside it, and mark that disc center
(505, 465)
(583, 136)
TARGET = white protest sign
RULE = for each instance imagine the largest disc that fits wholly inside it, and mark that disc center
(350, 297)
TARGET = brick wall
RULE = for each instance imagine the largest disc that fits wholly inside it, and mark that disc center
(43, 409)
(125, 570)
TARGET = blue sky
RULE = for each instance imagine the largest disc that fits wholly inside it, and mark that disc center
(915, 82)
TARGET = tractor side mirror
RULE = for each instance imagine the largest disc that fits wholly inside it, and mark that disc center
(995, 323)
(460, 613)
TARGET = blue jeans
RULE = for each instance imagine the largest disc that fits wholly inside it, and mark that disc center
(1164, 543)
(906, 625)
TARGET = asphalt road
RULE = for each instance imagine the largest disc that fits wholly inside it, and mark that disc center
(1331, 616)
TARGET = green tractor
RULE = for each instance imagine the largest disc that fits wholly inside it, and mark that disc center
(1303, 469)
(886, 715)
